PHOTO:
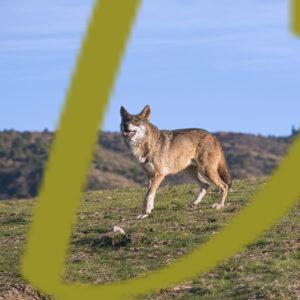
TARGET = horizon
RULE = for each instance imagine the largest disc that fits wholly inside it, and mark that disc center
(196, 64)
(46, 130)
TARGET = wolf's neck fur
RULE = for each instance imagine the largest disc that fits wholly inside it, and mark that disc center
(140, 149)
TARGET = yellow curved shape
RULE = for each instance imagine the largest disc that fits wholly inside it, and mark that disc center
(295, 17)
(71, 153)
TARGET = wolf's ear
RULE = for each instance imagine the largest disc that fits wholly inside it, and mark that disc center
(145, 113)
(123, 112)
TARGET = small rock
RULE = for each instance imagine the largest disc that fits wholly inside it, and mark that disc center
(117, 238)
(118, 229)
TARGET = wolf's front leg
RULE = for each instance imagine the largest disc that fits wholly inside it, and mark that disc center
(148, 203)
(147, 207)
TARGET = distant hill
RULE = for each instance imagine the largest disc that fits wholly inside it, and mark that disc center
(23, 156)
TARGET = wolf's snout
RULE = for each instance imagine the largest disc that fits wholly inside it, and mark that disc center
(127, 130)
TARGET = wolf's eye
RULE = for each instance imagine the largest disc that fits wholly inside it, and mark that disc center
(136, 122)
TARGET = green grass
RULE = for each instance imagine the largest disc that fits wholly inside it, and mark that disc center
(267, 269)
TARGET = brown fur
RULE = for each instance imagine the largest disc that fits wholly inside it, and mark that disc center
(164, 152)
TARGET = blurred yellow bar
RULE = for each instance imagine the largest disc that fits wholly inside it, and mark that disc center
(295, 17)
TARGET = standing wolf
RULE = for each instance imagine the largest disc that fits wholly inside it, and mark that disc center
(163, 152)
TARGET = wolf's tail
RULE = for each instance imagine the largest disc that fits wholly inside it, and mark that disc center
(224, 172)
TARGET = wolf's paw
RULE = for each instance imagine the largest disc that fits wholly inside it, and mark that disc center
(193, 205)
(218, 206)
(142, 216)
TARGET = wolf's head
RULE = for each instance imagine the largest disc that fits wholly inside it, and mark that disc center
(135, 127)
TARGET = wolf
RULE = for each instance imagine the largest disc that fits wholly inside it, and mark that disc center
(164, 152)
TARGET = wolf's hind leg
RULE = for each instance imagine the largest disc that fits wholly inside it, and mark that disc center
(202, 191)
(215, 178)
(193, 171)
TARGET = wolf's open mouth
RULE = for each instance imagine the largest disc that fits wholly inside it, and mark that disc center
(129, 133)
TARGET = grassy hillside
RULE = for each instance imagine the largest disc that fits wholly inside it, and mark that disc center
(267, 269)
(23, 156)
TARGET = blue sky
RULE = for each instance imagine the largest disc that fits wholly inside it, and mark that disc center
(220, 65)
